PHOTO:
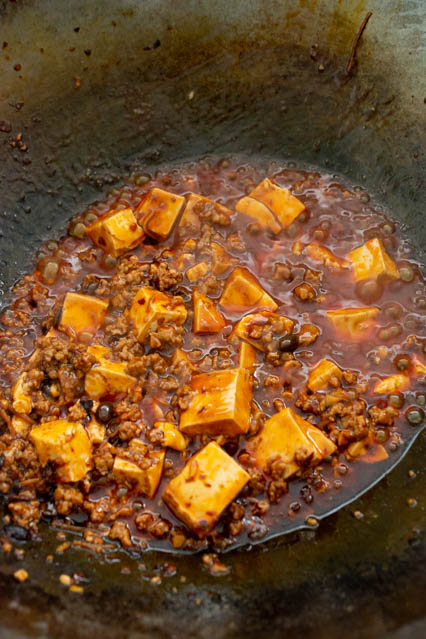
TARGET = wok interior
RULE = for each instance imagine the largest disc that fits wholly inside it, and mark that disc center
(114, 88)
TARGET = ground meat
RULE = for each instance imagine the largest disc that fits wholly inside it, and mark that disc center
(67, 498)
(282, 272)
(183, 397)
(98, 509)
(384, 416)
(166, 337)
(25, 514)
(163, 277)
(160, 528)
(235, 243)
(305, 292)
(120, 531)
(144, 521)
(128, 430)
(103, 458)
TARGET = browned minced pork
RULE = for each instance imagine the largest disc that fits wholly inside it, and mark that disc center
(67, 498)
(120, 531)
(25, 514)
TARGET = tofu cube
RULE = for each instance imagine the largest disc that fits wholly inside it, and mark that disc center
(106, 377)
(419, 367)
(152, 309)
(209, 482)
(259, 213)
(67, 445)
(319, 378)
(172, 437)
(221, 259)
(280, 201)
(83, 312)
(252, 321)
(207, 317)
(96, 431)
(116, 232)
(243, 292)
(288, 437)
(321, 254)
(221, 404)
(158, 213)
(146, 476)
(353, 323)
(392, 384)
(22, 402)
(196, 208)
(371, 261)
(197, 271)
(247, 357)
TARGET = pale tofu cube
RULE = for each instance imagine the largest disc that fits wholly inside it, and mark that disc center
(21, 396)
(158, 212)
(259, 213)
(209, 482)
(392, 384)
(371, 261)
(221, 404)
(152, 309)
(280, 201)
(96, 431)
(207, 317)
(289, 438)
(221, 259)
(196, 208)
(243, 292)
(197, 271)
(172, 437)
(106, 377)
(353, 323)
(253, 321)
(247, 357)
(146, 476)
(83, 312)
(116, 232)
(319, 253)
(324, 372)
(67, 445)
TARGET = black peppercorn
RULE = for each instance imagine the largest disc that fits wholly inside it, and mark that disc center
(289, 343)
(104, 412)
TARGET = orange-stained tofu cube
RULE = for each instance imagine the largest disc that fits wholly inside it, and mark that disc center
(288, 437)
(21, 396)
(319, 253)
(106, 377)
(221, 404)
(152, 309)
(199, 207)
(67, 445)
(371, 261)
(172, 437)
(353, 323)
(324, 373)
(419, 368)
(280, 201)
(367, 450)
(116, 232)
(259, 213)
(247, 357)
(158, 212)
(197, 271)
(83, 312)
(209, 482)
(207, 318)
(392, 384)
(146, 477)
(253, 321)
(243, 292)
(221, 259)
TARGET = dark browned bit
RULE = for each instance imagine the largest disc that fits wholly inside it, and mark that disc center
(352, 57)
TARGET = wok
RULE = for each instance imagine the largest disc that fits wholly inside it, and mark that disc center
(100, 90)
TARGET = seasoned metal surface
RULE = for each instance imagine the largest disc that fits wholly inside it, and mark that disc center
(101, 89)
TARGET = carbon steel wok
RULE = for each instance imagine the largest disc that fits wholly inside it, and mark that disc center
(99, 90)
